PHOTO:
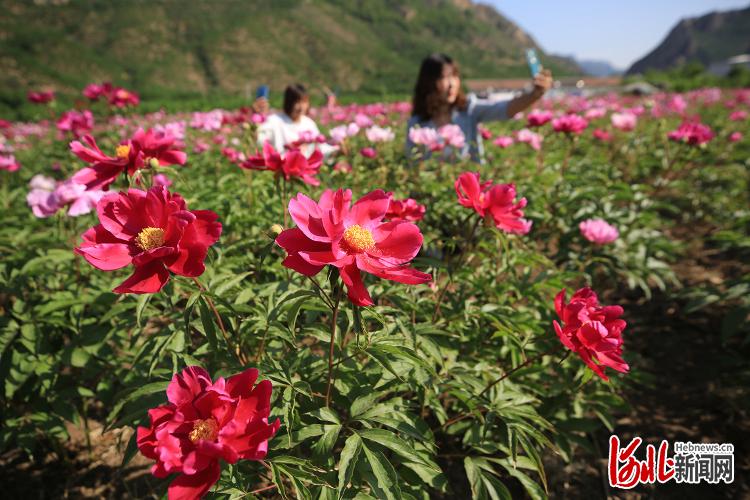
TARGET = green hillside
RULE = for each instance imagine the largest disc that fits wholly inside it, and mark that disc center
(179, 49)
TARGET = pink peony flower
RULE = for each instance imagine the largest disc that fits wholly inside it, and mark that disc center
(41, 97)
(592, 331)
(624, 121)
(292, 165)
(206, 422)
(9, 163)
(368, 152)
(405, 210)
(425, 136)
(496, 201)
(738, 116)
(735, 137)
(602, 135)
(76, 122)
(537, 118)
(531, 138)
(162, 180)
(503, 141)
(452, 136)
(692, 133)
(379, 134)
(352, 238)
(598, 231)
(570, 124)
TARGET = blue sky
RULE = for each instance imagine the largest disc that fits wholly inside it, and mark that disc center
(616, 31)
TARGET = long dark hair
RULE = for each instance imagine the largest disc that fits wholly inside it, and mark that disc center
(426, 102)
(292, 95)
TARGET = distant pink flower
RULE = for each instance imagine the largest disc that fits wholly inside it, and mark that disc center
(200, 147)
(48, 196)
(738, 116)
(692, 133)
(598, 231)
(368, 152)
(9, 163)
(452, 136)
(677, 104)
(735, 136)
(425, 136)
(595, 113)
(624, 121)
(41, 97)
(485, 133)
(208, 121)
(162, 180)
(570, 124)
(293, 164)
(233, 155)
(340, 133)
(503, 141)
(602, 135)
(120, 98)
(379, 134)
(362, 120)
(531, 138)
(78, 123)
(342, 167)
(95, 91)
(404, 210)
(537, 118)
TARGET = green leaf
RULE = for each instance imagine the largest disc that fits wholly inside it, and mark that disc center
(394, 443)
(348, 461)
(387, 482)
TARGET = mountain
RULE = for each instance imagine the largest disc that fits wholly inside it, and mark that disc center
(706, 39)
(171, 48)
(598, 68)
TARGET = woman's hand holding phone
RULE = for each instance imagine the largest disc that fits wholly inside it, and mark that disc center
(542, 82)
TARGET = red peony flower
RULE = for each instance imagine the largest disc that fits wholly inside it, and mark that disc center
(406, 210)
(78, 123)
(353, 239)
(155, 232)
(95, 91)
(144, 149)
(292, 164)
(41, 97)
(120, 98)
(570, 124)
(692, 133)
(592, 331)
(496, 201)
(203, 423)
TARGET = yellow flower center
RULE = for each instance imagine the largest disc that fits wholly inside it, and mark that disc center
(122, 151)
(150, 238)
(358, 239)
(204, 429)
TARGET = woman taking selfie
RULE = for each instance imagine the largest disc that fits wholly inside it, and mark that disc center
(292, 126)
(438, 100)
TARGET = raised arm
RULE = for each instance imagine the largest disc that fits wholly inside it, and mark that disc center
(542, 83)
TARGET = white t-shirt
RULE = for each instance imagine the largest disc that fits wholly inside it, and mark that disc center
(280, 130)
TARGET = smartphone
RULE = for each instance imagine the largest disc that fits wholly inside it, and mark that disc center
(262, 91)
(533, 61)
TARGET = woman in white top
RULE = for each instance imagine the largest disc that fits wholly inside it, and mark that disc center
(287, 128)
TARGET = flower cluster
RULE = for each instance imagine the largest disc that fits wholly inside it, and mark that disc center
(293, 164)
(147, 148)
(692, 133)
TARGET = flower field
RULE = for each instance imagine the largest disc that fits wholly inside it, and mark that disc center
(284, 324)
